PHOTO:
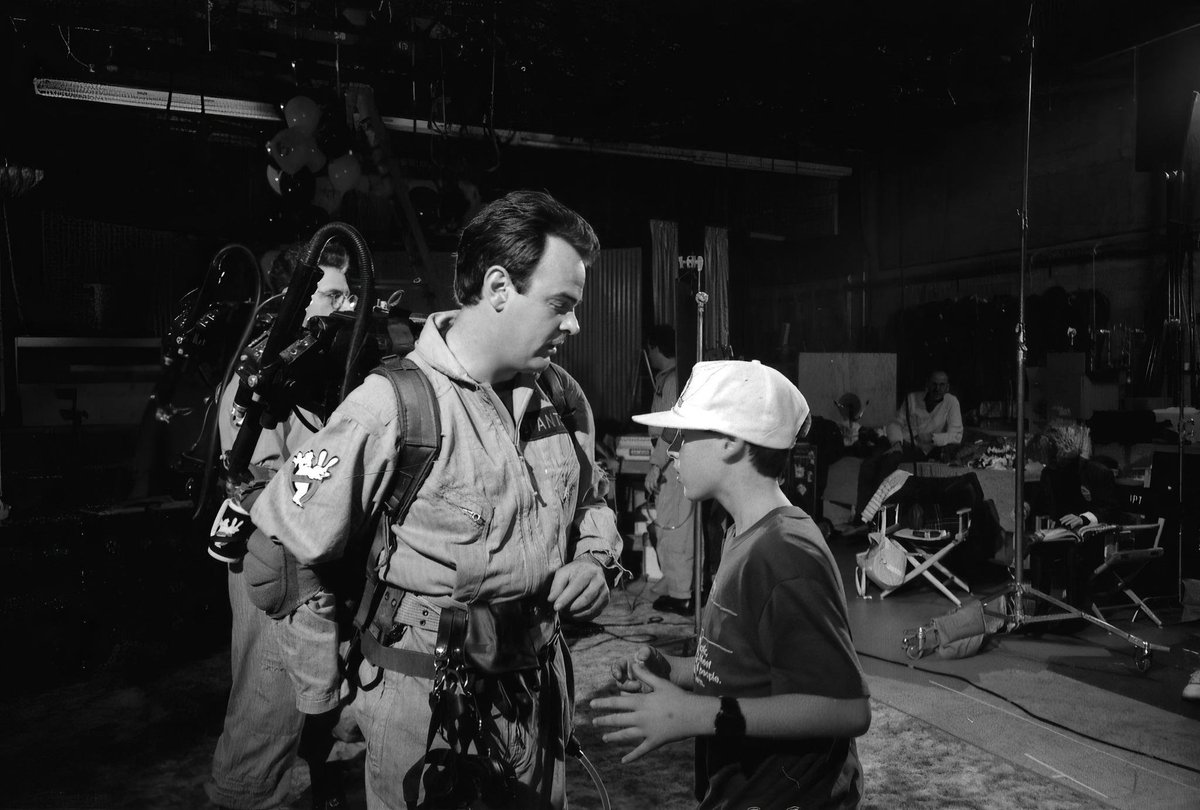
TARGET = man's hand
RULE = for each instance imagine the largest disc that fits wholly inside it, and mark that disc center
(663, 715)
(579, 589)
(649, 658)
(653, 479)
(1071, 521)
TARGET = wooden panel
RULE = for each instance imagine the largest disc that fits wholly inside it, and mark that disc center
(825, 376)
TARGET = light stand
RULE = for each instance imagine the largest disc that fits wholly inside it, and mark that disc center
(693, 265)
(1019, 590)
(1181, 294)
(697, 513)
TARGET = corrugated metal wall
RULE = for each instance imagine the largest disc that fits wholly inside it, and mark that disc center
(604, 356)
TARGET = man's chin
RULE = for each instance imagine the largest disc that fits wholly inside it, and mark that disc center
(538, 364)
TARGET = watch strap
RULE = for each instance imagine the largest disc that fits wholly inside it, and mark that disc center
(729, 723)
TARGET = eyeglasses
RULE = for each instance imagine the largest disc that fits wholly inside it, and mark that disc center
(337, 297)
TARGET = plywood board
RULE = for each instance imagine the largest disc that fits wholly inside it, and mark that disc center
(825, 376)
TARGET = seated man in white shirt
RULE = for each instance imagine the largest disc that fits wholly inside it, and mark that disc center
(927, 422)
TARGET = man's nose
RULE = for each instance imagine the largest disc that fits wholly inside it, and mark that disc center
(570, 324)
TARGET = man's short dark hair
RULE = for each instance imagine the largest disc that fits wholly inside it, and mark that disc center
(512, 232)
(662, 337)
(334, 254)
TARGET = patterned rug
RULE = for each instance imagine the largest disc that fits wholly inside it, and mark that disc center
(141, 736)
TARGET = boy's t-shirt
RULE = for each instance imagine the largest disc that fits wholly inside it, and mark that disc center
(776, 623)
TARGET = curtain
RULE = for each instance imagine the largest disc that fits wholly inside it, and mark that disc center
(664, 241)
(716, 284)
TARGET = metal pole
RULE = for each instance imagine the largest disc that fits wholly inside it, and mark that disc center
(1019, 498)
(697, 523)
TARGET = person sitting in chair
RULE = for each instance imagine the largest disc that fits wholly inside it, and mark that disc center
(1075, 490)
(927, 422)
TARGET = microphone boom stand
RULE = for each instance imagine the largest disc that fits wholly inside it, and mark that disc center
(1018, 589)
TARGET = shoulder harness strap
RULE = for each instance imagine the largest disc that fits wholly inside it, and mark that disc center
(419, 442)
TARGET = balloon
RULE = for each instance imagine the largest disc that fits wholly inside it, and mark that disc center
(291, 149)
(302, 113)
(344, 172)
(273, 177)
(317, 161)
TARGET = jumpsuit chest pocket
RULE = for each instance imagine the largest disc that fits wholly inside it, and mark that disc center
(462, 516)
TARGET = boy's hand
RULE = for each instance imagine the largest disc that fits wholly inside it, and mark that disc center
(651, 719)
(648, 657)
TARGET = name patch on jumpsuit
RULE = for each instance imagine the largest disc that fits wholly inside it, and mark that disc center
(541, 424)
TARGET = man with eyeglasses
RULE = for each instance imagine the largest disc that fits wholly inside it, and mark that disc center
(265, 716)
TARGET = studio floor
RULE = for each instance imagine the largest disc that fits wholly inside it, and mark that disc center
(1062, 721)
(1074, 708)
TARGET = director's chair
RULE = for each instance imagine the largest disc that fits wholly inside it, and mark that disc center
(934, 529)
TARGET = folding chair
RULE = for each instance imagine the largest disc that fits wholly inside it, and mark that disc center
(1126, 553)
(926, 548)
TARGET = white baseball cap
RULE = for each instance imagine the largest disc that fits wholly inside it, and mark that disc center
(746, 400)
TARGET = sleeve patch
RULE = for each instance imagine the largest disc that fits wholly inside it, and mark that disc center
(309, 469)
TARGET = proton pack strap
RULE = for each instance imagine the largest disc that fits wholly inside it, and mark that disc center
(420, 433)
(419, 439)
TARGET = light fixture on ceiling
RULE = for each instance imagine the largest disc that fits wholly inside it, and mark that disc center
(261, 111)
(167, 101)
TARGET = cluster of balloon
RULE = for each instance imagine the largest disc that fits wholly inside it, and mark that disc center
(298, 154)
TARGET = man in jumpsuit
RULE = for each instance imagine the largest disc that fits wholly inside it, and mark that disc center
(257, 748)
(509, 510)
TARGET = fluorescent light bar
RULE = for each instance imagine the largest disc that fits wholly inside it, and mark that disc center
(156, 99)
(541, 140)
(259, 111)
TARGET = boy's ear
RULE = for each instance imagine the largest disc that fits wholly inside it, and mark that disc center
(733, 448)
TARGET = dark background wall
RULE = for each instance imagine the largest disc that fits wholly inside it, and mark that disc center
(134, 203)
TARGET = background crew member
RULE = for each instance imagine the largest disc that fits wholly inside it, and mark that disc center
(674, 515)
(257, 748)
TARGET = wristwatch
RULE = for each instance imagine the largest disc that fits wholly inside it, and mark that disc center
(729, 722)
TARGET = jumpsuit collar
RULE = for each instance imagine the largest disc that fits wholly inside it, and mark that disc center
(432, 345)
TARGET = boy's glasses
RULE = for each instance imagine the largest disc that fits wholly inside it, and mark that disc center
(674, 439)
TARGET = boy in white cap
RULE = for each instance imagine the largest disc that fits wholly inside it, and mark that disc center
(775, 694)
